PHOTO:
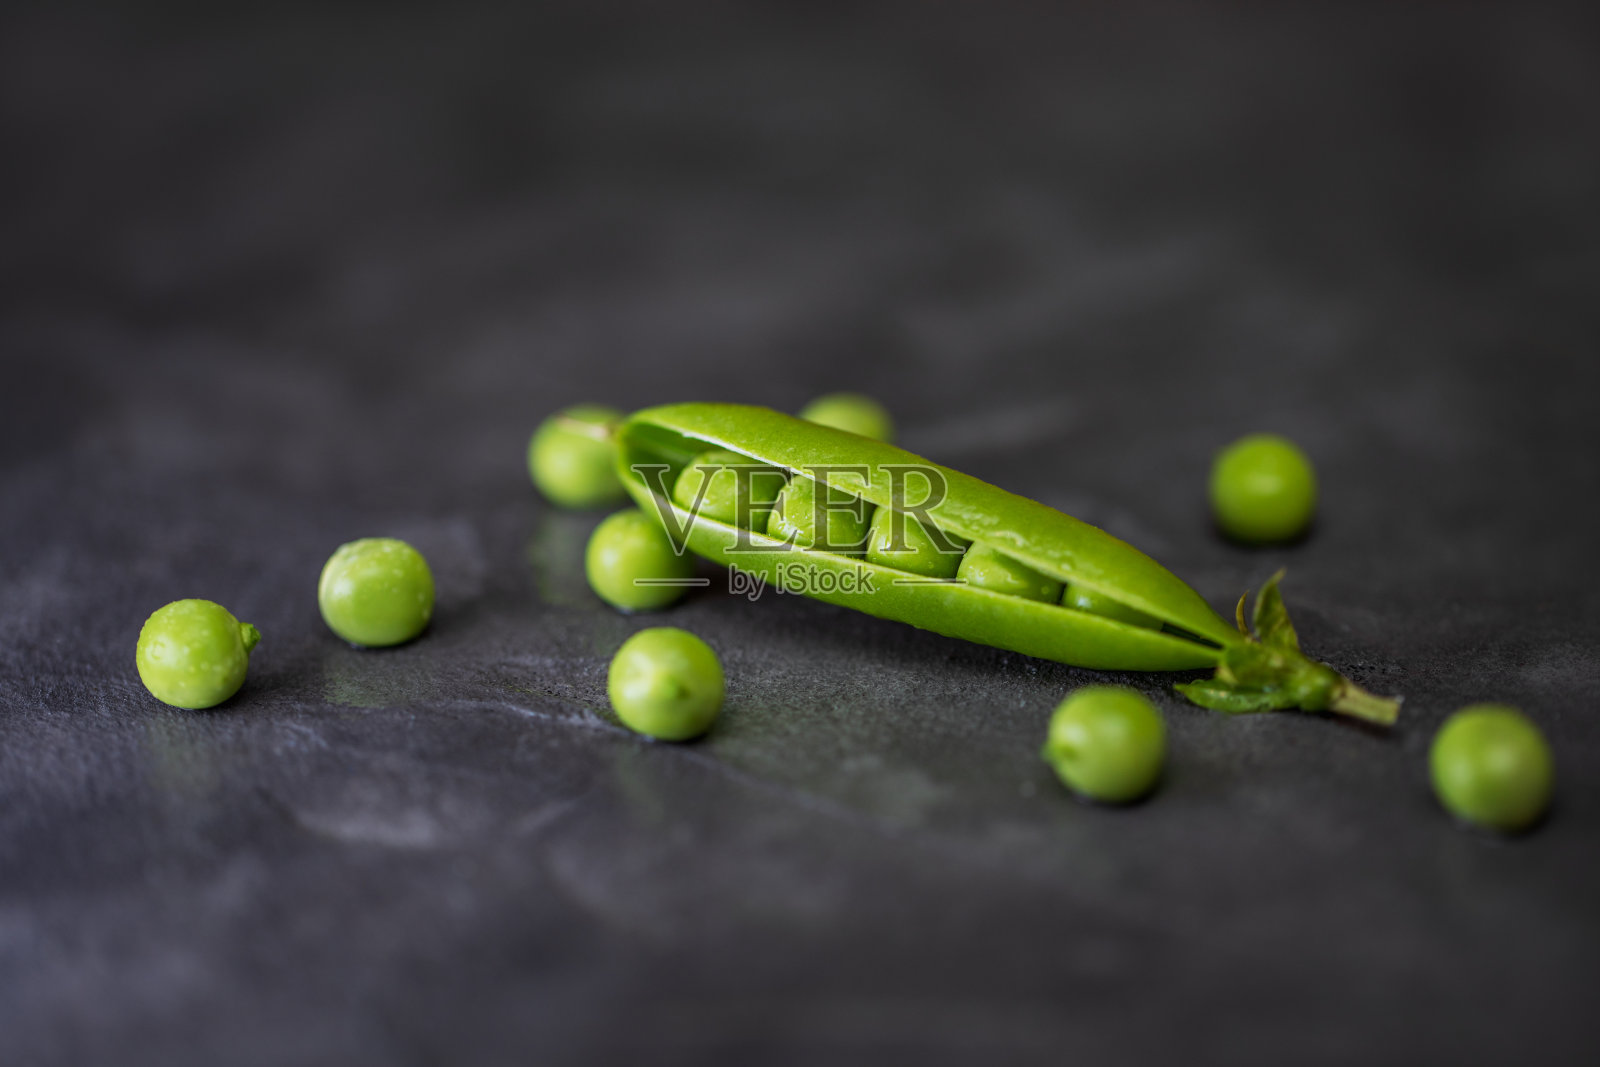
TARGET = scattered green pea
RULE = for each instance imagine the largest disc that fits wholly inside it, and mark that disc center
(1107, 743)
(666, 683)
(986, 567)
(852, 412)
(376, 592)
(572, 458)
(1491, 766)
(1077, 596)
(917, 552)
(845, 518)
(193, 653)
(728, 478)
(632, 564)
(1263, 489)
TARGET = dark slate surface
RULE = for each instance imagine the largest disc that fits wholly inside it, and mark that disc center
(270, 281)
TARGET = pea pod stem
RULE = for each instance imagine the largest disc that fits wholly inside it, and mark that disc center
(1266, 671)
(1254, 672)
(1357, 703)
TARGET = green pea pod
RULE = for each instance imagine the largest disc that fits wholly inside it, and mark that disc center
(1253, 674)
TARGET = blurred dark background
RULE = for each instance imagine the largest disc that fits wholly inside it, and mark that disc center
(275, 276)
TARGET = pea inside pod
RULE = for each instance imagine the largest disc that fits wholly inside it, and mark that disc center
(986, 567)
(898, 541)
(1075, 594)
(838, 522)
(727, 486)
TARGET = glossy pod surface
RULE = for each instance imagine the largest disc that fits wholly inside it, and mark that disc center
(655, 444)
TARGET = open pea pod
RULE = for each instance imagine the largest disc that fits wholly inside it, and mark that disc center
(655, 445)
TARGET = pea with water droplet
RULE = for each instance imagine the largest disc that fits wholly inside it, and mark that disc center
(194, 654)
(376, 592)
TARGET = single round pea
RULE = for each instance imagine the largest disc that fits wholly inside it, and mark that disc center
(729, 478)
(666, 683)
(918, 551)
(1082, 599)
(193, 653)
(376, 592)
(852, 412)
(632, 564)
(572, 458)
(1263, 489)
(845, 519)
(1491, 766)
(1107, 743)
(986, 567)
